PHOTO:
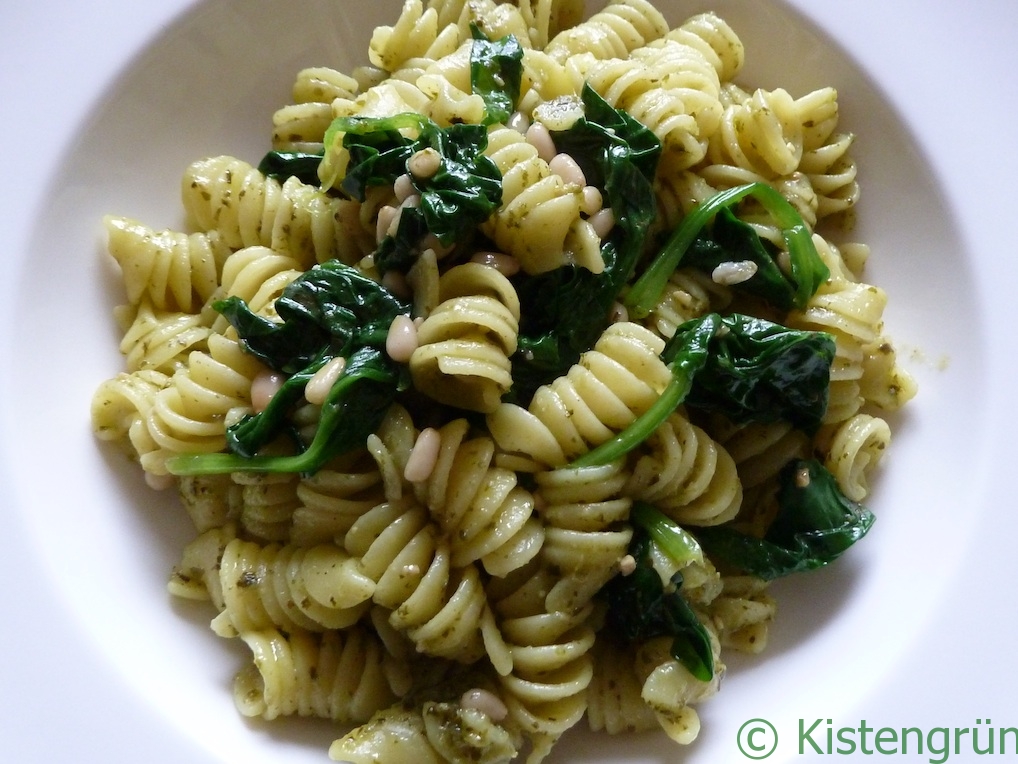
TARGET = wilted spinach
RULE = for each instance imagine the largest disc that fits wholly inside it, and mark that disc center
(748, 368)
(808, 271)
(496, 70)
(816, 523)
(641, 607)
(566, 309)
(464, 191)
(330, 311)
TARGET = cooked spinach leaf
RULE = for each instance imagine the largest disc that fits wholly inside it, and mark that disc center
(496, 70)
(565, 310)
(285, 164)
(750, 369)
(353, 409)
(641, 607)
(808, 271)
(760, 371)
(816, 523)
(327, 311)
(464, 191)
(729, 240)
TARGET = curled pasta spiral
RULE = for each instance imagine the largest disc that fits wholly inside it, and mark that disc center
(688, 294)
(345, 676)
(257, 275)
(614, 702)
(465, 343)
(483, 511)
(540, 221)
(884, 382)
(622, 27)
(447, 83)
(286, 586)
(442, 609)
(669, 87)
(301, 126)
(266, 502)
(687, 475)
(671, 691)
(853, 449)
(426, 733)
(188, 414)
(333, 498)
(160, 340)
(547, 18)
(742, 613)
(852, 312)
(174, 271)
(546, 692)
(826, 160)
(610, 385)
(760, 452)
(716, 39)
(247, 208)
(584, 511)
(760, 132)
(120, 408)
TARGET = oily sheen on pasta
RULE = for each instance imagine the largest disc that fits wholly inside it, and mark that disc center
(466, 367)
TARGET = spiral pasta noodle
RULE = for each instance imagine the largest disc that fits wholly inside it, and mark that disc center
(345, 676)
(669, 87)
(484, 512)
(623, 26)
(301, 126)
(584, 510)
(419, 734)
(610, 385)
(540, 221)
(671, 691)
(742, 613)
(247, 208)
(852, 312)
(442, 609)
(687, 475)
(614, 701)
(465, 343)
(175, 271)
(285, 586)
(332, 499)
(545, 693)
(189, 413)
(160, 340)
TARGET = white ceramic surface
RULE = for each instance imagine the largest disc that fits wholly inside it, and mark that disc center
(104, 106)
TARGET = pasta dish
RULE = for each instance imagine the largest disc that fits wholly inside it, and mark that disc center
(499, 389)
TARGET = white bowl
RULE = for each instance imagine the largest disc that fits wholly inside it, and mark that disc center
(104, 109)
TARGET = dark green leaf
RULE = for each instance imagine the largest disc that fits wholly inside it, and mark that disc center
(496, 69)
(759, 371)
(285, 164)
(808, 270)
(749, 369)
(640, 607)
(565, 310)
(354, 409)
(816, 524)
(464, 191)
(327, 311)
(730, 240)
